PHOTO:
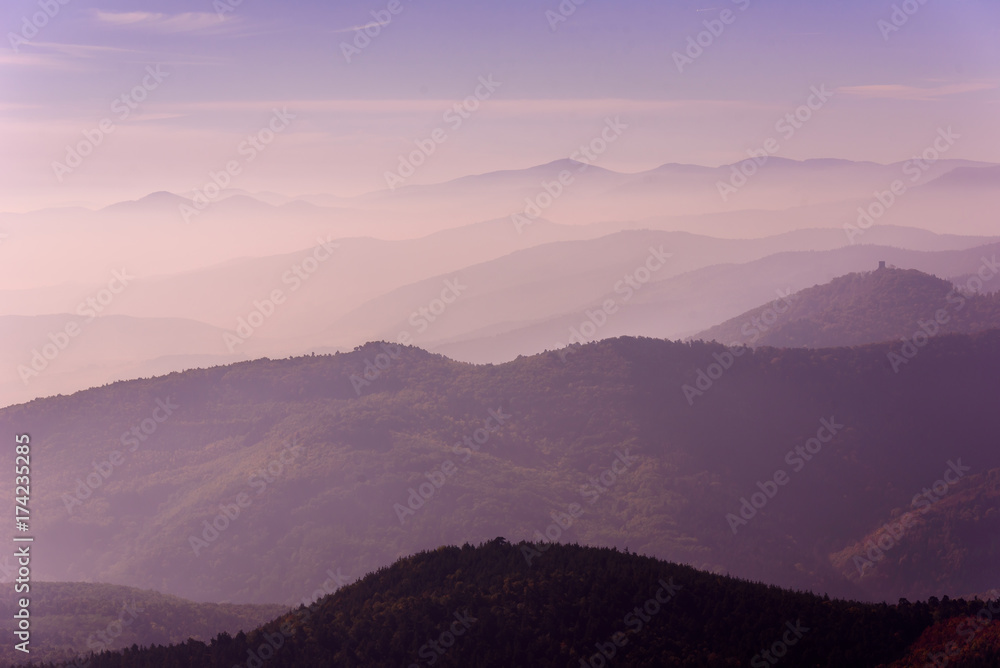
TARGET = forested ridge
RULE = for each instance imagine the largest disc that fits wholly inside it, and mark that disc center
(868, 307)
(328, 474)
(502, 604)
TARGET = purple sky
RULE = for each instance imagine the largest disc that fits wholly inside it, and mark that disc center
(558, 82)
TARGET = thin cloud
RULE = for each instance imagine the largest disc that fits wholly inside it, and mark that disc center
(37, 60)
(916, 93)
(186, 22)
(64, 56)
(508, 108)
(371, 24)
(83, 50)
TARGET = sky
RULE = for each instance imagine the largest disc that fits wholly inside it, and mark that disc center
(164, 95)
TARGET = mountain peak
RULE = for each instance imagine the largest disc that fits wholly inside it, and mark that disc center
(884, 304)
(157, 201)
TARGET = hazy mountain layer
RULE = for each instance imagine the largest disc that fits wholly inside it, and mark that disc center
(68, 619)
(250, 482)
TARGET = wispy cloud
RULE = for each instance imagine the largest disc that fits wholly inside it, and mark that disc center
(186, 22)
(917, 93)
(80, 57)
(500, 108)
(371, 24)
(83, 50)
(37, 60)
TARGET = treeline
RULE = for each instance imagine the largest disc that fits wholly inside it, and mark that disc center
(503, 604)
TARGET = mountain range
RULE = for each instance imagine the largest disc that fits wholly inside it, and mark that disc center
(352, 270)
(338, 295)
(318, 390)
(247, 482)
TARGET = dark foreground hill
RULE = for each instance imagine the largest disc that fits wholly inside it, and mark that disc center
(868, 473)
(884, 305)
(554, 605)
(68, 618)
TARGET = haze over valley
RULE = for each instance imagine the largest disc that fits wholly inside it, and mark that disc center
(468, 334)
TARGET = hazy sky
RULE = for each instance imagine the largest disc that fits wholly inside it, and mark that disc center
(220, 75)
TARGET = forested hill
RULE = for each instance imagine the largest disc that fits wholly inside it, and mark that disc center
(544, 605)
(855, 309)
(249, 483)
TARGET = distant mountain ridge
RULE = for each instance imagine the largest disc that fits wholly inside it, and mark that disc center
(71, 618)
(882, 305)
(523, 296)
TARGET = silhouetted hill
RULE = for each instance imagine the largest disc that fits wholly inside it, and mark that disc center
(883, 305)
(564, 605)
